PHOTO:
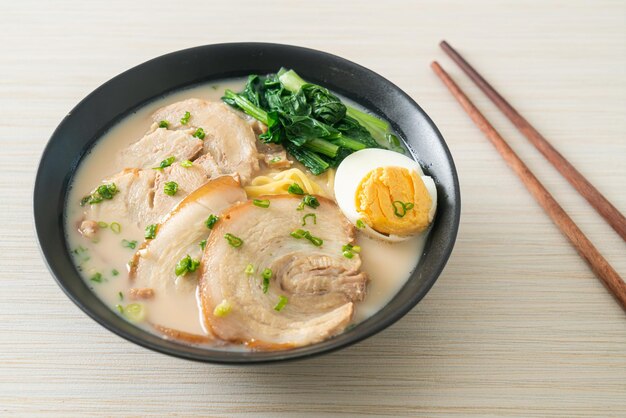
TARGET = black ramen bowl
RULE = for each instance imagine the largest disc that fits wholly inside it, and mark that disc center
(109, 103)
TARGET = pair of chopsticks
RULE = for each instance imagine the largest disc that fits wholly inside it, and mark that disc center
(603, 270)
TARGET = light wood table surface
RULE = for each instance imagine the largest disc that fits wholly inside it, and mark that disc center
(517, 325)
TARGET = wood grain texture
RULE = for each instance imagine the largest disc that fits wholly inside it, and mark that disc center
(573, 176)
(517, 325)
(603, 270)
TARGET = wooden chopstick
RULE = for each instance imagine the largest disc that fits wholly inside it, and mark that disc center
(585, 248)
(567, 170)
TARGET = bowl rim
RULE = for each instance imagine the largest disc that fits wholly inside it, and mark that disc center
(279, 356)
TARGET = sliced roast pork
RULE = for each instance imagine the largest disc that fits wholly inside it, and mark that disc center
(178, 236)
(317, 282)
(140, 194)
(229, 140)
(159, 145)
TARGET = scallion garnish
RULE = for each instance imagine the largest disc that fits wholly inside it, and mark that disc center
(300, 206)
(120, 295)
(186, 265)
(249, 269)
(348, 250)
(103, 192)
(185, 119)
(199, 133)
(301, 233)
(295, 188)
(400, 208)
(150, 232)
(348, 254)
(102, 224)
(165, 163)
(267, 275)
(360, 224)
(129, 244)
(222, 309)
(310, 201)
(186, 163)
(97, 277)
(282, 301)
(170, 188)
(119, 308)
(135, 312)
(233, 240)
(203, 244)
(115, 227)
(312, 215)
(164, 124)
(210, 221)
(114, 272)
(262, 203)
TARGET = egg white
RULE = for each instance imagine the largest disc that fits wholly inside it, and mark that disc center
(356, 165)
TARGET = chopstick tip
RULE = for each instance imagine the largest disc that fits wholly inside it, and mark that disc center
(443, 43)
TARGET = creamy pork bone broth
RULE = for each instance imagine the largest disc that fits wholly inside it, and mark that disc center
(286, 250)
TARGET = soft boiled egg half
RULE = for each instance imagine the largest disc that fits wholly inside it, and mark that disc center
(385, 194)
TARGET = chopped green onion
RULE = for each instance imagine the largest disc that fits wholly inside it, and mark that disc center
(135, 312)
(103, 224)
(298, 233)
(301, 233)
(121, 295)
(275, 160)
(170, 188)
(114, 272)
(199, 133)
(210, 221)
(400, 208)
(348, 254)
(119, 308)
(360, 224)
(249, 269)
(164, 124)
(203, 244)
(115, 227)
(349, 250)
(165, 163)
(295, 188)
(300, 206)
(185, 119)
(129, 244)
(356, 248)
(233, 240)
(310, 201)
(186, 265)
(267, 275)
(103, 192)
(222, 309)
(312, 215)
(150, 232)
(281, 303)
(97, 277)
(186, 163)
(262, 203)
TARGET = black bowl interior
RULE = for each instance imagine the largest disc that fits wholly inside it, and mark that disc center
(113, 100)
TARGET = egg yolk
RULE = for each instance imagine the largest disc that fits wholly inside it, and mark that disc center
(384, 196)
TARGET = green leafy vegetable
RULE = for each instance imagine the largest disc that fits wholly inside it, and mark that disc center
(309, 120)
(311, 201)
(186, 265)
(170, 188)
